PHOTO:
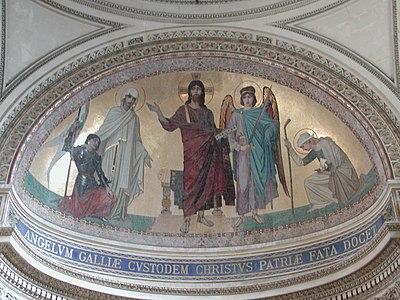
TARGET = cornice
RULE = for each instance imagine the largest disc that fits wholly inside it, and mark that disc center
(392, 293)
(396, 42)
(312, 13)
(77, 13)
(2, 44)
(227, 13)
(372, 279)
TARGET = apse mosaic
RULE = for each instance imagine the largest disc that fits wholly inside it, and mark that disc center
(259, 157)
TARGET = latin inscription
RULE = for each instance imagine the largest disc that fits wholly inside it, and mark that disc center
(256, 264)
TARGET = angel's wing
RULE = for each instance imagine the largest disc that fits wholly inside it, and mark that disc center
(227, 108)
(273, 112)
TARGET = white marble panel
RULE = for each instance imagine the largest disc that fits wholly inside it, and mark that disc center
(364, 27)
(34, 31)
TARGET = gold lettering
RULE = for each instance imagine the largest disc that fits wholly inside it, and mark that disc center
(284, 262)
(199, 270)
(368, 233)
(333, 252)
(216, 269)
(31, 237)
(227, 268)
(40, 242)
(206, 269)
(361, 237)
(131, 266)
(269, 265)
(82, 256)
(313, 255)
(346, 245)
(184, 270)
(249, 266)
(68, 252)
(262, 264)
(298, 259)
(89, 259)
(117, 263)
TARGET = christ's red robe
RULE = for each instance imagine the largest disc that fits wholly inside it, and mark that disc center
(207, 171)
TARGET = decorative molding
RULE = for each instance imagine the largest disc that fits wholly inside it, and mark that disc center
(46, 59)
(193, 18)
(389, 214)
(19, 78)
(250, 265)
(33, 283)
(318, 69)
(58, 76)
(313, 13)
(6, 293)
(304, 71)
(127, 72)
(78, 13)
(342, 72)
(376, 277)
(3, 44)
(201, 33)
(359, 60)
(396, 42)
(392, 293)
(191, 2)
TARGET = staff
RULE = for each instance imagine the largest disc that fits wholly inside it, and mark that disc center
(71, 154)
(260, 115)
(290, 166)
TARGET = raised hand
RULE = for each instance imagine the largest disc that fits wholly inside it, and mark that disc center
(153, 107)
(287, 143)
(156, 108)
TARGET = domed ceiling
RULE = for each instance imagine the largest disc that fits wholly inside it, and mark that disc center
(328, 208)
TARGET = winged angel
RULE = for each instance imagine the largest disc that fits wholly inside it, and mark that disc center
(256, 150)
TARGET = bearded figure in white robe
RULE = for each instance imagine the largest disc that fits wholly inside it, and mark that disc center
(124, 156)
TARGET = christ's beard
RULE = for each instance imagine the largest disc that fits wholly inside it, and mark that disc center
(196, 98)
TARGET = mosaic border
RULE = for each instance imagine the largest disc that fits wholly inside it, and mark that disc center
(182, 34)
(128, 73)
(326, 79)
(310, 67)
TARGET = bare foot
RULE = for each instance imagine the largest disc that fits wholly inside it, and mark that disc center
(217, 212)
(239, 222)
(185, 226)
(205, 221)
(312, 209)
(258, 219)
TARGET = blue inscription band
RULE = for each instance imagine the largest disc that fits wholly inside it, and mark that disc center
(293, 260)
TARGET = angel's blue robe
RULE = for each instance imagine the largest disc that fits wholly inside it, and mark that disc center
(263, 138)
